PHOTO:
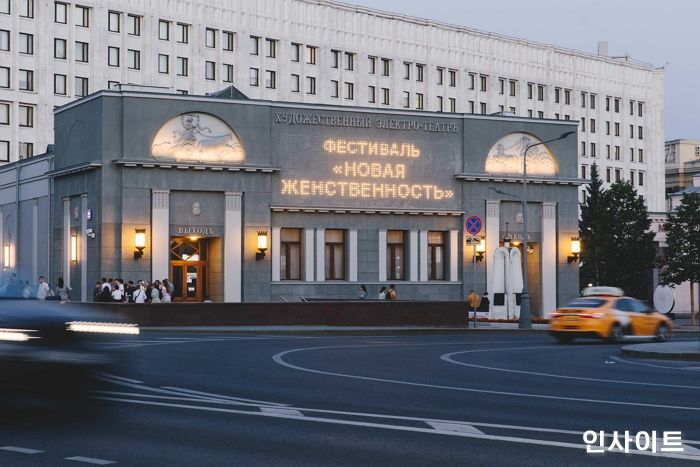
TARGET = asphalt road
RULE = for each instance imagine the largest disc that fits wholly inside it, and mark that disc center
(478, 399)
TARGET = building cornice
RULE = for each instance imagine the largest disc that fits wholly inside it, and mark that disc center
(182, 165)
(73, 169)
(533, 180)
(356, 210)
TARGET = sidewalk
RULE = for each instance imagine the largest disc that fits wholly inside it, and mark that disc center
(665, 350)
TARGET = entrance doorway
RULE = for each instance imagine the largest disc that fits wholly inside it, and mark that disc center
(188, 268)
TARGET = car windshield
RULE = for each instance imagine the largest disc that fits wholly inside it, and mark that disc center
(586, 303)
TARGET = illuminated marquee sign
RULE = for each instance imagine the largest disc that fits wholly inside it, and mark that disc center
(368, 169)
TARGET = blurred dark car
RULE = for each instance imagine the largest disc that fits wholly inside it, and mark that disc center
(54, 348)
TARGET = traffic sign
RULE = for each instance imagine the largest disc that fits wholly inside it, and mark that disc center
(473, 225)
(473, 240)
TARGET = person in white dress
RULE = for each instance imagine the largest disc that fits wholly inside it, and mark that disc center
(155, 292)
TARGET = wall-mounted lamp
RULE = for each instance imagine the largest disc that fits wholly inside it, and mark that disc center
(139, 242)
(6, 256)
(575, 250)
(74, 248)
(481, 249)
(262, 245)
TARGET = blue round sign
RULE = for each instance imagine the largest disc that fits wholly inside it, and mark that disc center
(473, 225)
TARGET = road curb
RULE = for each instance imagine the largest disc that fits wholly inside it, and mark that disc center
(646, 351)
(347, 332)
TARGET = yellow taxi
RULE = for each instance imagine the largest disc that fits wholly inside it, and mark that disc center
(604, 312)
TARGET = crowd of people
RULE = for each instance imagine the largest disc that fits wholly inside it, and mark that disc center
(384, 293)
(16, 287)
(116, 290)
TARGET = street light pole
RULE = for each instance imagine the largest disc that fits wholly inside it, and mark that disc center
(525, 321)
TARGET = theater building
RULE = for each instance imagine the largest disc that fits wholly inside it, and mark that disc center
(244, 200)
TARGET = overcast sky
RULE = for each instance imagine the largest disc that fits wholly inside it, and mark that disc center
(664, 33)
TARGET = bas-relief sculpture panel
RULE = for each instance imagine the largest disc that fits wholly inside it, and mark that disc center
(506, 157)
(197, 137)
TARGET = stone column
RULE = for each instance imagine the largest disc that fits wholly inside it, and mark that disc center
(160, 234)
(233, 251)
(275, 245)
(382, 255)
(352, 256)
(413, 256)
(83, 239)
(309, 255)
(549, 258)
(35, 238)
(423, 255)
(493, 227)
(454, 256)
(66, 242)
(320, 255)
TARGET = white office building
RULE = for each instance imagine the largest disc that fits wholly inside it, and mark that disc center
(52, 52)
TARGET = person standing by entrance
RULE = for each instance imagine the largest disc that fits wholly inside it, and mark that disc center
(473, 300)
(42, 290)
(382, 293)
(62, 290)
(391, 293)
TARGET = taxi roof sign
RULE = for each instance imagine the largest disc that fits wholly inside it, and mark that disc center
(604, 291)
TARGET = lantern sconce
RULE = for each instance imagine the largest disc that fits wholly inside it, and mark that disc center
(139, 242)
(262, 245)
(73, 248)
(575, 250)
(481, 249)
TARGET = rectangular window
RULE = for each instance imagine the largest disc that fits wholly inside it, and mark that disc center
(529, 90)
(385, 96)
(210, 38)
(82, 16)
(26, 80)
(482, 80)
(26, 8)
(608, 176)
(557, 116)
(4, 77)
(270, 79)
(4, 113)
(471, 108)
(295, 83)
(386, 66)
(583, 100)
(334, 88)
(349, 61)
(631, 131)
(607, 127)
(163, 63)
(59, 84)
(583, 148)
(639, 108)
(513, 86)
(395, 255)
(501, 86)
(113, 20)
(441, 76)
(617, 153)
(164, 30)
(419, 72)
(640, 180)
(372, 65)
(631, 107)
(114, 85)
(335, 254)
(26, 150)
(618, 175)
(452, 74)
(567, 96)
(617, 105)
(310, 85)
(439, 103)
(631, 154)
(59, 48)
(406, 70)
(557, 95)
(632, 177)
(133, 25)
(640, 133)
(350, 91)
(26, 116)
(228, 73)
(583, 124)
(113, 56)
(210, 70)
(540, 114)
(406, 99)
(617, 129)
(81, 87)
(640, 155)
(592, 125)
(81, 52)
(4, 150)
(419, 101)
(183, 33)
(593, 150)
(607, 103)
(133, 58)
(482, 107)
(26, 43)
(607, 151)
(228, 42)
(335, 58)
(60, 12)
(583, 172)
(254, 77)
(540, 92)
(296, 52)
(290, 254)
(311, 54)
(437, 263)
(453, 105)
(182, 66)
(4, 40)
(271, 48)
(372, 94)
(593, 101)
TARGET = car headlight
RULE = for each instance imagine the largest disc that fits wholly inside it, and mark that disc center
(17, 335)
(102, 328)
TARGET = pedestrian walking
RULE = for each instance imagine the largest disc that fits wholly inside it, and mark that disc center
(382, 293)
(42, 290)
(363, 292)
(62, 290)
(391, 293)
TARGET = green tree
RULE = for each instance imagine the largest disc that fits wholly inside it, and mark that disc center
(682, 255)
(629, 250)
(592, 231)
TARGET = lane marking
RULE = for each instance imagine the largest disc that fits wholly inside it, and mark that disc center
(459, 427)
(665, 367)
(282, 411)
(90, 460)
(538, 442)
(219, 396)
(278, 358)
(120, 378)
(21, 450)
(448, 357)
